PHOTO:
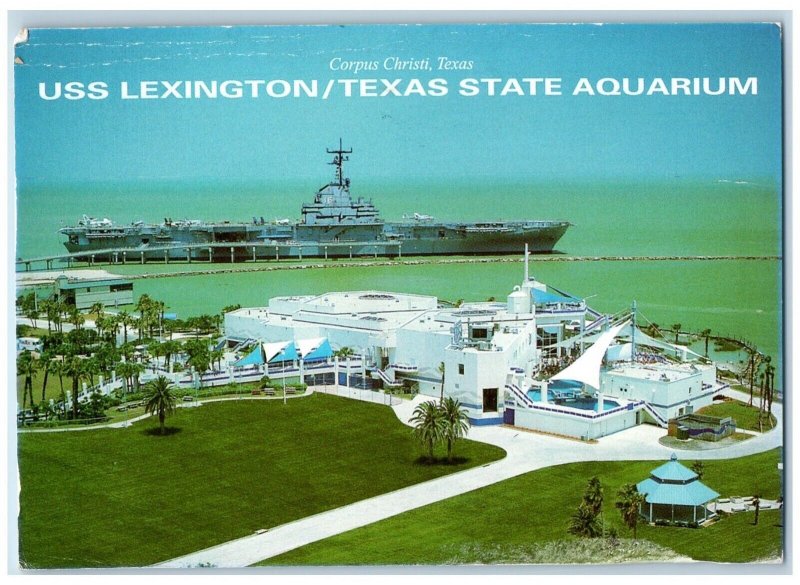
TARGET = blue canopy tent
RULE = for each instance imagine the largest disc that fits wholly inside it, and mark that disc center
(321, 352)
(255, 357)
(287, 354)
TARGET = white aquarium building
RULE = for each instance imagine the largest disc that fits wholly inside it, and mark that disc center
(542, 360)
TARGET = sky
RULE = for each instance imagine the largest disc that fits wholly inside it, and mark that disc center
(404, 138)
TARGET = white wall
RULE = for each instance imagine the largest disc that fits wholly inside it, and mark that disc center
(562, 424)
(668, 398)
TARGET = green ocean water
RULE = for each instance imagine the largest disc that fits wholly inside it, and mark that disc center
(612, 218)
(677, 217)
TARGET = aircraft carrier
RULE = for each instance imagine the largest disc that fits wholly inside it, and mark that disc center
(334, 225)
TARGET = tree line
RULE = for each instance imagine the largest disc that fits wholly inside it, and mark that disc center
(83, 354)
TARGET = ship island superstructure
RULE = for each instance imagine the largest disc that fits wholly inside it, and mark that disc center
(334, 225)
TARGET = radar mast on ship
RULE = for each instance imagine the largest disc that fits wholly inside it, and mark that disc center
(338, 161)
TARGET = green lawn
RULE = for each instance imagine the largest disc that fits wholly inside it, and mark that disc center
(533, 510)
(127, 497)
(746, 417)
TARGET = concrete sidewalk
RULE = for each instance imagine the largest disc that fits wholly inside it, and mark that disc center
(526, 451)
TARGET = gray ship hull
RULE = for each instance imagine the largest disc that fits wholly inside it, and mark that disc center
(333, 225)
(132, 248)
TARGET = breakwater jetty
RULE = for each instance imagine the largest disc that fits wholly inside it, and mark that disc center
(335, 264)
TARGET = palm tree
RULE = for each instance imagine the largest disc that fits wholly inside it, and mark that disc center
(100, 325)
(158, 309)
(629, 500)
(125, 319)
(170, 347)
(584, 522)
(653, 330)
(344, 352)
(216, 356)
(74, 367)
(97, 309)
(229, 308)
(60, 314)
(593, 495)
(56, 366)
(27, 364)
(706, 333)
(456, 423)
(125, 371)
(76, 318)
(201, 362)
(46, 358)
(159, 399)
(91, 367)
(699, 468)
(771, 390)
(428, 425)
(677, 329)
(48, 306)
(29, 306)
(752, 371)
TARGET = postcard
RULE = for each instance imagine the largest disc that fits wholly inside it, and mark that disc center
(397, 295)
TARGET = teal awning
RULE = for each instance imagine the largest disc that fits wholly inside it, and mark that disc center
(543, 297)
(673, 471)
(287, 354)
(323, 351)
(254, 357)
(674, 484)
(690, 494)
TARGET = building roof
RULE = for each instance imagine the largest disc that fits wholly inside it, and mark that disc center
(287, 354)
(69, 285)
(690, 494)
(674, 484)
(673, 471)
(86, 277)
(254, 357)
(543, 297)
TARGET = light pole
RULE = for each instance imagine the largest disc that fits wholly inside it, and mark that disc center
(284, 385)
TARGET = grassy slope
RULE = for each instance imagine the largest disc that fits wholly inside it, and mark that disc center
(746, 417)
(535, 508)
(130, 498)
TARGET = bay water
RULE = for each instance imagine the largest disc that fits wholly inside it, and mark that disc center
(676, 217)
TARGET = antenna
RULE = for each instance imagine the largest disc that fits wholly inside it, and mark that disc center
(338, 160)
(633, 331)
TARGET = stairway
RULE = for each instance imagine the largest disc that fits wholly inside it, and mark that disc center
(520, 395)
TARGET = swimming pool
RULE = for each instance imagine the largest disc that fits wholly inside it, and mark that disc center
(582, 401)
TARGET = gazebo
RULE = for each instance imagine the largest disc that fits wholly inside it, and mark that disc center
(674, 493)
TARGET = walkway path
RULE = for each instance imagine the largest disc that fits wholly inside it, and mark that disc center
(527, 452)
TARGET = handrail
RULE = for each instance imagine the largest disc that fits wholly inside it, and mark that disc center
(655, 415)
(388, 381)
(519, 394)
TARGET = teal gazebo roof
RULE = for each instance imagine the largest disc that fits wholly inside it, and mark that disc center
(674, 471)
(691, 494)
(674, 484)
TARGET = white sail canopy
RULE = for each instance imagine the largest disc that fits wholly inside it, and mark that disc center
(641, 339)
(620, 353)
(586, 368)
